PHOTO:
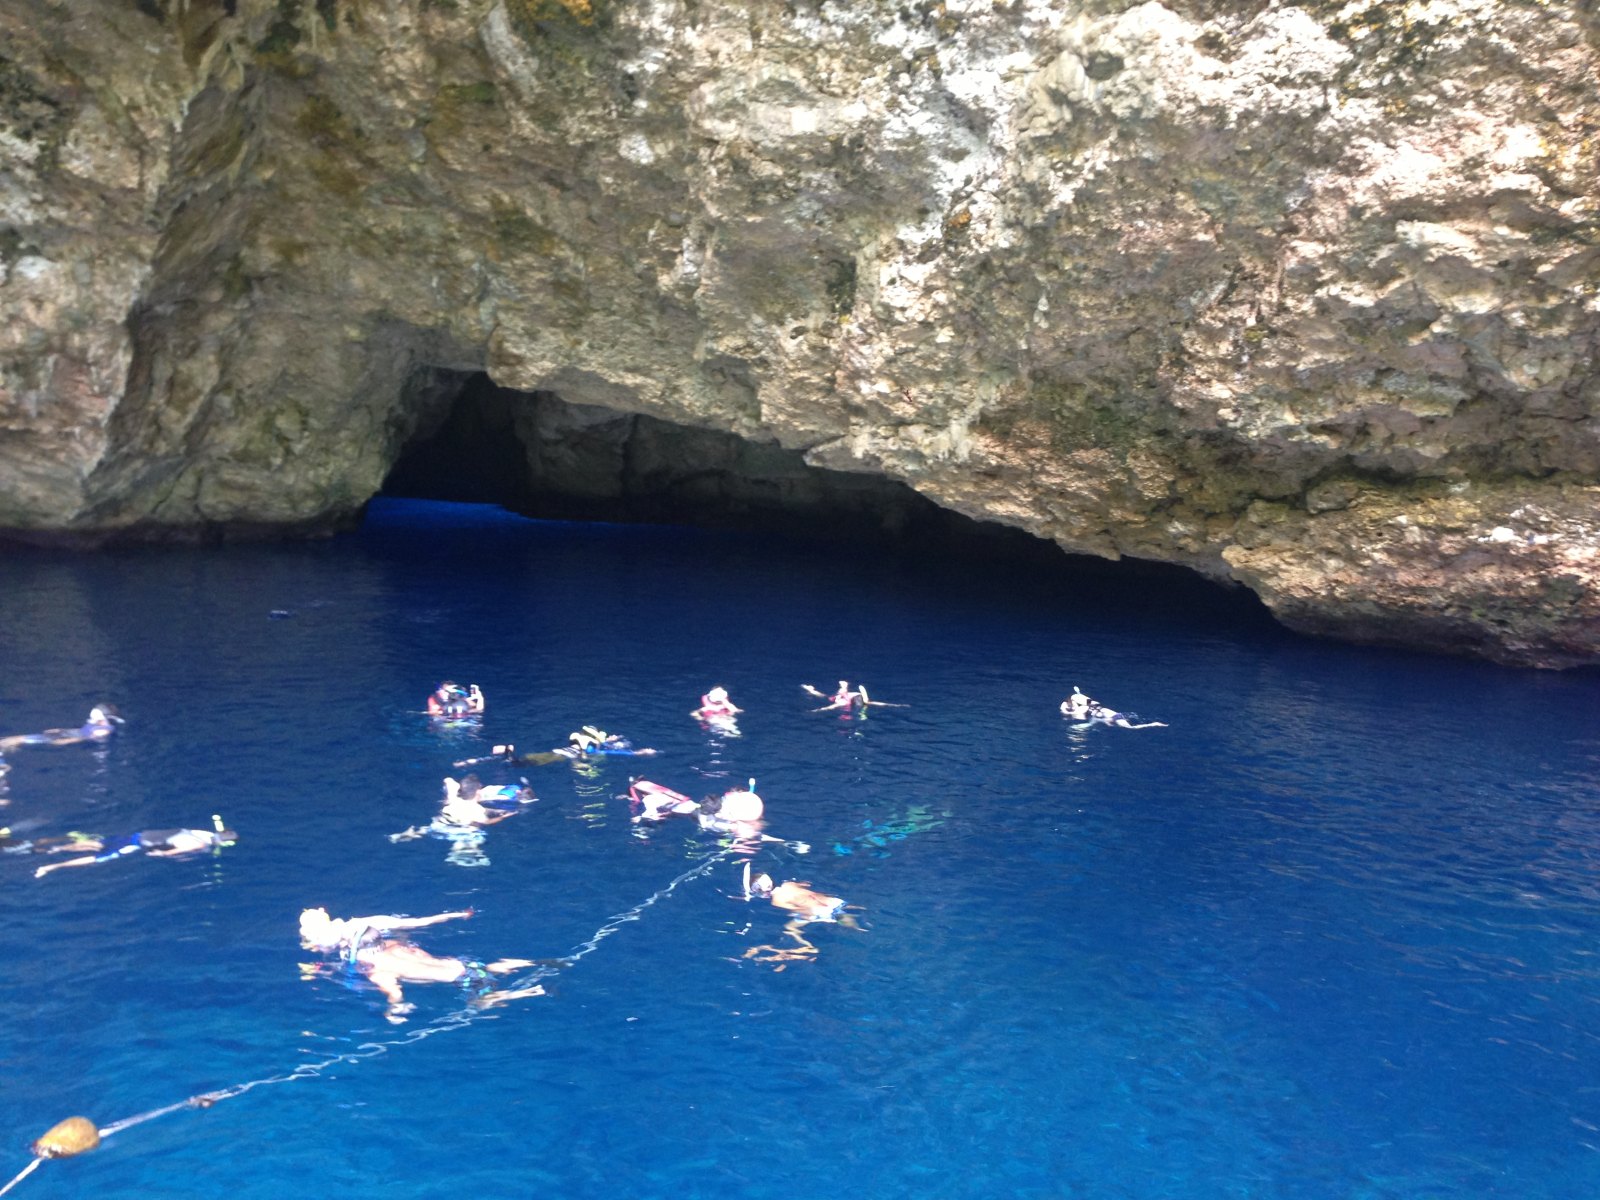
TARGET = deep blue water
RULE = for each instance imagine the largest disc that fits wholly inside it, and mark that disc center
(1333, 933)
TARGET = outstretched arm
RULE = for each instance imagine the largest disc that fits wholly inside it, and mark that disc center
(393, 922)
(806, 687)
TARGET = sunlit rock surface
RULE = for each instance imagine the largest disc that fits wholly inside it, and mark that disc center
(1300, 296)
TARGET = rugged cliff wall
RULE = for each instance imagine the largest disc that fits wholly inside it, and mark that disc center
(1303, 296)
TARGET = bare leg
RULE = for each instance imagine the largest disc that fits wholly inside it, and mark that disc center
(389, 984)
(490, 999)
(804, 950)
(504, 966)
(83, 861)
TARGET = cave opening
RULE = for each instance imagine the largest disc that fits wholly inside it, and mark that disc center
(538, 455)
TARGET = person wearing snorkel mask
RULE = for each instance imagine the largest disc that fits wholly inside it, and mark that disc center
(452, 700)
(102, 723)
(158, 843)
(368, 945)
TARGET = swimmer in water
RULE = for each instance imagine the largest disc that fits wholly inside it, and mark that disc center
(590, 741)
(1079, 707)
(845, 698)
(158, 843)
(806, 906)
(387, 962)
(657, 803)
(452, 700)
(736, 806)
(715, 705)
(102, 723)
(581, 746)
(68, 843)
(738, 813)
(468, 806)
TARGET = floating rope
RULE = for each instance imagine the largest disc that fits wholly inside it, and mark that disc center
(76, 1135)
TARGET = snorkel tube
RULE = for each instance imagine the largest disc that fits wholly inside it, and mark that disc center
(220, 838)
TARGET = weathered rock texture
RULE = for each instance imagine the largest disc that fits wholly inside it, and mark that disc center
(1303, 296)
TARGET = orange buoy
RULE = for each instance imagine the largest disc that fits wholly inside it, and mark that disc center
(69, 1137)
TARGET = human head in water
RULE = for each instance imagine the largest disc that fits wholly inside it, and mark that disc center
(104, 714)
(316, 927)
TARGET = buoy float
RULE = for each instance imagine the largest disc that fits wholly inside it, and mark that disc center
(69, 1137)
(62, 1140)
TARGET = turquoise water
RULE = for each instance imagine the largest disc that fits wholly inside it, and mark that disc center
(1333, 933)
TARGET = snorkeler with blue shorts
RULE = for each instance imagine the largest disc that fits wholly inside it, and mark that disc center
(158, 843)
(102, 723)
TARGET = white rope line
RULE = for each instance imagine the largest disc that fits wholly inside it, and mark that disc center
(455, 1020)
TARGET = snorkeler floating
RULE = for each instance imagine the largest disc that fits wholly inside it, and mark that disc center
(715, 706)
(1081, 708)
(586, 743)
(735, 811)
(364, 946)
(452, 700)
(589, 741)
(657, 803)
(806, 905)
(845, 698)
(470, 807)
(158, 843)
(67, 843)
(102, 723)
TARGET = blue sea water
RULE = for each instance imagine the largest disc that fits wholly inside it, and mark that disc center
(1333, 933)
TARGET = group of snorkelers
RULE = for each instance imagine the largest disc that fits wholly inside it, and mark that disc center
(376, 947)
(87, 848)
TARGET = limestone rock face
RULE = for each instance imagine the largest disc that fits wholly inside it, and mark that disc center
(1303, 296)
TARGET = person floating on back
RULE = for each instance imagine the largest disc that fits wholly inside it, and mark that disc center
(1081, 708)
(102, 723)
(364, 946)
(452, 700)
(158, 843)
(845, 698)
